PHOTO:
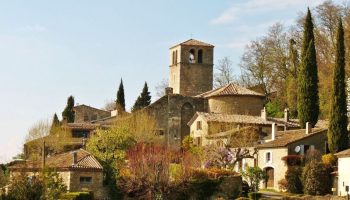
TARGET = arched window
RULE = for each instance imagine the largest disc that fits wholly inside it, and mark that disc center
(175, 57)
(192, 56)
(200, 56)
(173, 61)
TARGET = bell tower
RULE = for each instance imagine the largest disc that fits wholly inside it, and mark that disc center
(191, 68)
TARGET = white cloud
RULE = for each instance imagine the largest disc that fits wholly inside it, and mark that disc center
(263, 6)
(38, 28)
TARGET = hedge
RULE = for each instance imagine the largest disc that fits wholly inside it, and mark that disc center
(77, 196)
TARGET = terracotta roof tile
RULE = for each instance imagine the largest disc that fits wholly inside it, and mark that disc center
(62, 161)
(283, 138)
(193, 42)
(241, 119)
(230, 89)
(345, 153)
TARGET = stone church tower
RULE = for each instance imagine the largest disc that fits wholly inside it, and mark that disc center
(191, 68)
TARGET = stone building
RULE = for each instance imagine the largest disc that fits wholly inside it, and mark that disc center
(191, 67)
(234, 99)
(214, 128)
(79, 170)
(284, 143)
(84, 113)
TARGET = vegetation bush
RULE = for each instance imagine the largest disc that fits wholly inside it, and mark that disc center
(254, 195)
(293, 160)
(294, 179)
(282, 185)
(254, 175)
(316, 179)
(329, 160)
(77, 196)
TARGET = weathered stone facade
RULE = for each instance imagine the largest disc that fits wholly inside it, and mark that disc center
(84, 113)
(243, 105)
(172, 113)
(191, 68)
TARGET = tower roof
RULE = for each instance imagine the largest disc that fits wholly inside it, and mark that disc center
(228, 90)
(193, 42)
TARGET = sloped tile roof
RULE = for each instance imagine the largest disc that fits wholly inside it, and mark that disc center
(63, 161)
(193, 42)
(240, 119)
(284, 138)
(230, 89)
(345, 153)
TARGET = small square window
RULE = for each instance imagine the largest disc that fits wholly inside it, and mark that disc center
(85, 180)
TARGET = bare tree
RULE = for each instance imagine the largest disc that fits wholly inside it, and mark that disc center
(224, 75)
(109, 105)
(160, 88)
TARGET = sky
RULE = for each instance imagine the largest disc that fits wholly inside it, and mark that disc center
(52, 49)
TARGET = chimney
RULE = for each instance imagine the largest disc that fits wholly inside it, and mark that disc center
(114, 113)
(263, 114)
(286, 115)
(273, 131)
(308, 128)
(168, 90)
(75, 158)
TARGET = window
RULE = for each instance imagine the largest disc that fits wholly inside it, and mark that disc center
(192, 56)
(80, 134)
(200, 56)
(198, 141)
(268, 157)
(85, 180)
(199, 125)
(86, 118)
(173, 61)
(220, 143)
(175, 57)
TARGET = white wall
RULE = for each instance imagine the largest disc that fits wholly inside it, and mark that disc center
(276, 163)
(343, 175)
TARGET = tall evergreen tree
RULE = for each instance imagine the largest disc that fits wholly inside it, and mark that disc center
(68, 113)
(55, 123)
(308, 99)
(55, 120)
(338, 137)
(120, 102)
(291, 81)
(143, 100)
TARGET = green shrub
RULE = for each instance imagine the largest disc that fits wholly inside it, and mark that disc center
(254, 195)
(77, 196)
(317, 179)
(294, 180)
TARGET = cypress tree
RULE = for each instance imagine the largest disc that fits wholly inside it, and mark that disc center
(120, 102)
(337, 130)
(55, 123)
(308, 99)
(68, 114)
(55, 120)
(143, 100)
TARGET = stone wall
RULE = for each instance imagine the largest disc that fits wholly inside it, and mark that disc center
(172, 113)
(96, 185)
(243, 105)
(191, 79)
(85, 113)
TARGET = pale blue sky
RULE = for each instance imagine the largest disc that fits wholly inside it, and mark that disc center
(52, 49)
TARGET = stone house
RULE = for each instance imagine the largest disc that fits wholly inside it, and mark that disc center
(343, 171)
(284, 143)
(79, 170)
(215, 128)
(84, 113)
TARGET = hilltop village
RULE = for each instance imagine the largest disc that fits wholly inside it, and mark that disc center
(196, 141)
